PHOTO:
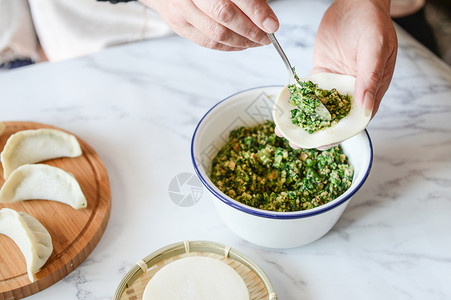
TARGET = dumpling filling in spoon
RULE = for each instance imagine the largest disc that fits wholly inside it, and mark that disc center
(294, 109)
(319, 110)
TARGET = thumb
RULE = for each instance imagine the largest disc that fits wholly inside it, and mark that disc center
(370, 70)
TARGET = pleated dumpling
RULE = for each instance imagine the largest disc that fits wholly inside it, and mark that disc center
(36, 145)
(41, 181)
(30, 236)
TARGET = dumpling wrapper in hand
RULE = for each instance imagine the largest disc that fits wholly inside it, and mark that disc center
(196, 278)
(30, 236)
(355, 122)
(36, 145)
(40, 181)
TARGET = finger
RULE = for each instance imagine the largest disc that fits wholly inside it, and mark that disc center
(214, 30)
(295, 147)
(370, 70)
(178, 18)
(327, 147)
(191, 33)
(228, 14)
(260, 14)
(277, 132)
(386, 79)
(377, 101)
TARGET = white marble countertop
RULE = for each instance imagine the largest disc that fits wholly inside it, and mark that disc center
(137, 106)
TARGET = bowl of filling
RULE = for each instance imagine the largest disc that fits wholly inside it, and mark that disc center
(264, 190)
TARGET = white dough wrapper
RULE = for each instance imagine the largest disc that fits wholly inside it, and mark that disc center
(36, 145)
(40, 181)
(196, 278)
(355, 122)
(30, 236)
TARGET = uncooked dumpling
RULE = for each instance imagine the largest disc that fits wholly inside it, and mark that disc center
(355, 122)
(30, 236)
(42, 181)
(32, 146)
(196, 278)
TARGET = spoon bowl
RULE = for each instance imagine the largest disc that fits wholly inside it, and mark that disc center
(321, 111)
(355, 122)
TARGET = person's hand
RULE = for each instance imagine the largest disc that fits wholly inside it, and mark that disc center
(357, 37)
(219, 24)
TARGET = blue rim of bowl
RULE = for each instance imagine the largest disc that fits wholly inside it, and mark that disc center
(266, 213)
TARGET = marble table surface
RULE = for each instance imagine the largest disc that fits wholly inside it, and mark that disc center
(137, 105)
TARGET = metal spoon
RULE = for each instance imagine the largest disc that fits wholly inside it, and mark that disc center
(321, 111)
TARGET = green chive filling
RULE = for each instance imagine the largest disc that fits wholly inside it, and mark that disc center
(307, 98)
(261, 170)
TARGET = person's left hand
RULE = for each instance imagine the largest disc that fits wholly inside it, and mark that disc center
(357, 37)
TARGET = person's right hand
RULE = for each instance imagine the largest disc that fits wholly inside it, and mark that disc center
(226, 25)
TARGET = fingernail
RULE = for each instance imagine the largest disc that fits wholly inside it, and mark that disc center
(277, 132)
(295, 147)
(265, 40)
(368, 103)
(270, 25)
(327, 147)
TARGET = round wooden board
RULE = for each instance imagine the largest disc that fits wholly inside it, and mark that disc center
(74, 233)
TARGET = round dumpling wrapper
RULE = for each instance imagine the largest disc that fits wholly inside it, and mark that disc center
(355, 122)
(196, 278)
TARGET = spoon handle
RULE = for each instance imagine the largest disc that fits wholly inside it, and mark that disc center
(321, 110)
(279, 49)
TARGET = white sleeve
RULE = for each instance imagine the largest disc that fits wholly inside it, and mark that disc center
(68, 29)
(17, 36)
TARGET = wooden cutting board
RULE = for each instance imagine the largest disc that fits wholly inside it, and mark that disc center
(74, 233)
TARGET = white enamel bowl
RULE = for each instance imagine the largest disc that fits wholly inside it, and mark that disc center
(266, 228)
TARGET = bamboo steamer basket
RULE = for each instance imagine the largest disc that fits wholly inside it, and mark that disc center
(135, 281)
